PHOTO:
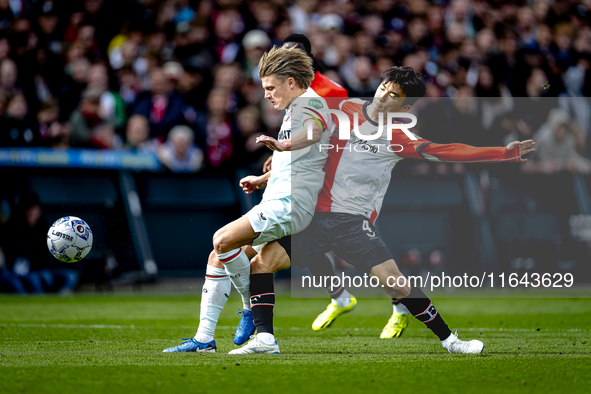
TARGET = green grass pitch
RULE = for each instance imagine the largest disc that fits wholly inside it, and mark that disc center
(113, 344)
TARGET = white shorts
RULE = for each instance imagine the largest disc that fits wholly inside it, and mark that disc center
(275, 219)
(257, 248)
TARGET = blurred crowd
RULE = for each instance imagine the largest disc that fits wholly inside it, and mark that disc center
(179, 77)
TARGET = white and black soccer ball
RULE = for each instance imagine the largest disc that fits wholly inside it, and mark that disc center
(69, 239)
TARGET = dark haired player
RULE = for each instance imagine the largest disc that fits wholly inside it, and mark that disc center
(355, 184)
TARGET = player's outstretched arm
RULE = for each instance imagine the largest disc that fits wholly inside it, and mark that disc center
(301, 140)
(461, 153)
(524, 148)
(253, 182)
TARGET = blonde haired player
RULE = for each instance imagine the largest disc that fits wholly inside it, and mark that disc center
(285, 209)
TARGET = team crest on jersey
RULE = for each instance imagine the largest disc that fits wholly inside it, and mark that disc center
(316, 103)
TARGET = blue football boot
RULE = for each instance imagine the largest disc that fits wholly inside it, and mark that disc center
(245, 328)
(191, 345)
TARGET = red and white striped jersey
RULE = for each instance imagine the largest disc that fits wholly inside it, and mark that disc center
(358, 171)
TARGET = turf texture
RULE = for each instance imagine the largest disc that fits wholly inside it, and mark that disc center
(113, 344)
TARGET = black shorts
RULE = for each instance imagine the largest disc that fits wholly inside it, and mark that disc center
(353, 238)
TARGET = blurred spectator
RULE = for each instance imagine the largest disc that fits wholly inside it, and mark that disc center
(179, 153)
(3, 102)
(15, 127)
(265, 14)
(255, 43)
(300, 13)
(362, 81)
(465, 118)
(251, 93)
(248, 123)
(138, 135)
(85, 118)
(55, 134)
(525, 119)
(8, 76)
(563, 35)
(504, 64)
(104, 137)
(227, 26)
(129, 85)
(48, 32)
(174, 72)
(4, 48)
(112, 108)
(494, 98)
(8, 281)
(195, 83)
(573, 99)
(74, 84)
(26, 250)
(191, 40)
(162, 105)
(556, 146)
(59, 135)
(216, 127)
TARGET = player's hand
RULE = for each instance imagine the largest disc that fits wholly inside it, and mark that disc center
(267, 165)
(272, 143)
(523, 147)
(252, 183)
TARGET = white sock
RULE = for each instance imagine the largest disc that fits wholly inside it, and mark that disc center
(400, 309)
(269, 339)
(238, 268)
(216, 291)
(344, 299)
(203, 338)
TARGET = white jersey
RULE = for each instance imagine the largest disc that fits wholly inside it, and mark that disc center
(299, 173)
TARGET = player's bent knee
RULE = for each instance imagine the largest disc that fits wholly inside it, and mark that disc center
(220, 241)
(213, 260)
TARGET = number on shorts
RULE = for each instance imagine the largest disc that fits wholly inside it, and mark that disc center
(367, 227)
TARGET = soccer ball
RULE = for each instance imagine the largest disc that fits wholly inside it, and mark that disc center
(69, 239)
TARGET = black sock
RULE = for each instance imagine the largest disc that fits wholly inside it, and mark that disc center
(422, 308)
(262, 301)
(395, 301)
